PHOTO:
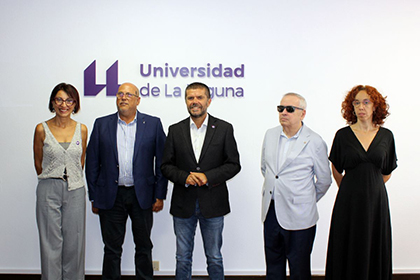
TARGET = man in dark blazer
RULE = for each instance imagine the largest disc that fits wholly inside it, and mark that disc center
(200, 155)
(124, 179)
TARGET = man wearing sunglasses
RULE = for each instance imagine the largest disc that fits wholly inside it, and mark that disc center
(296, 172)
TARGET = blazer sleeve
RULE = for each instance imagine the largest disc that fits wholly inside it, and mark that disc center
(92, 161)
(322, 170)
(169, 162)
(161, 187)
(263, 159)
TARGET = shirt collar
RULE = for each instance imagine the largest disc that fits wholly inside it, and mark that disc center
(205, 123)
(123, 122)
(294, 136)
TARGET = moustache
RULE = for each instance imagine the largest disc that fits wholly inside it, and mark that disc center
(195, 105)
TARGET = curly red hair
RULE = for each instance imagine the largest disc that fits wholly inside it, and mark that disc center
(379, 104)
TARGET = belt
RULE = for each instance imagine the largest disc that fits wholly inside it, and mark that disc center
(125, 187)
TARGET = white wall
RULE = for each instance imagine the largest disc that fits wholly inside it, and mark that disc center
(317, 48)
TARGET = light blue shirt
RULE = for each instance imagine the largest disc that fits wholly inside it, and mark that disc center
(286, 145)
(126, 137)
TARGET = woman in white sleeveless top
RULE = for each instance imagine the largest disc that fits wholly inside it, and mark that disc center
(59, 155)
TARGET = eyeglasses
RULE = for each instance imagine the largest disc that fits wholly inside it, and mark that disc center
(289, 109)
(59, 101)
(365, 102)
(126, 94)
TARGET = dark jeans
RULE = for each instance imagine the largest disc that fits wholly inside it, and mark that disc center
(280, 245)
(113, 222)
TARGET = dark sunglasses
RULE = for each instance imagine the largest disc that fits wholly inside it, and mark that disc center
(289, 109)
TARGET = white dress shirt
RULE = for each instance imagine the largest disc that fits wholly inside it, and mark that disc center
(197, 136)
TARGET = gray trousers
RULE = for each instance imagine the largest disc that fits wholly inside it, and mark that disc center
(61, 219)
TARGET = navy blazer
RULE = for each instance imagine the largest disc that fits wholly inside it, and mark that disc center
(219, 161)
(102, 169)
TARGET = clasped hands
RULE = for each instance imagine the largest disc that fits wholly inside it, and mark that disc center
(196, 179)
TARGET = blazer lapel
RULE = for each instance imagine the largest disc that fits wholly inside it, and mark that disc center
(112, 127)
(211, 128)
(186, 134)
(300, 143)
(276, 138)
(141, 127)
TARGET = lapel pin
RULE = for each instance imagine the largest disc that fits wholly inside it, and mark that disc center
(212, 126)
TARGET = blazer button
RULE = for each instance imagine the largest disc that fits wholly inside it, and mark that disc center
(116, 181)
(118, 166)
(277, 177)
(198, 168)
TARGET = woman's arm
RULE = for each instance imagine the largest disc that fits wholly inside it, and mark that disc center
(337, 176)
(84, 144)
(386, 177)
(38, 147)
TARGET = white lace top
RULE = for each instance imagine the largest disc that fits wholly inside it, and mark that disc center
(56, 160)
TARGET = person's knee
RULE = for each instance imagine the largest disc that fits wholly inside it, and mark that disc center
(184, 254)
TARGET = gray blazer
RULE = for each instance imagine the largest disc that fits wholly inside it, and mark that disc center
(299, 183)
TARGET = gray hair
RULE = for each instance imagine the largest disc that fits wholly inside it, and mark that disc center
(302, 101)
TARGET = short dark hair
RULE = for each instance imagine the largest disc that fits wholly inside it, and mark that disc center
(70, 90)
(197, 85)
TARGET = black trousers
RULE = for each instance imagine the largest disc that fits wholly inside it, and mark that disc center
(113, 223)
(280, 245)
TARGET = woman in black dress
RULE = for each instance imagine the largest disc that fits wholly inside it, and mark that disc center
(359, 246)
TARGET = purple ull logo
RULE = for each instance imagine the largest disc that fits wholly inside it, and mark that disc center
(90, 86)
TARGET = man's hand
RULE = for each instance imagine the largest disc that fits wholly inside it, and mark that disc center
(199, 178)
(191, 180)
(94, 209)
(158, 205)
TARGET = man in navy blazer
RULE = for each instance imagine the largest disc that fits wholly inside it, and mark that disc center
(200, 156)
(295, 166)
(124, 180)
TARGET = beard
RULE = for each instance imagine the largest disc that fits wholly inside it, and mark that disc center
(198, 114)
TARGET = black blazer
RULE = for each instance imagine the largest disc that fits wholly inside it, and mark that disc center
(219, 161)
(102, 169)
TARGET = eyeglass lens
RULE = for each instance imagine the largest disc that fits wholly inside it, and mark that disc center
(289, 109)
(126, 94)
(365, 102)
(60, 101)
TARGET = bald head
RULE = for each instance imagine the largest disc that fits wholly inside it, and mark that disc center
(130, 86)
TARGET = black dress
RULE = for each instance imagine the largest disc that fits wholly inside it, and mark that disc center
(359, 246)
